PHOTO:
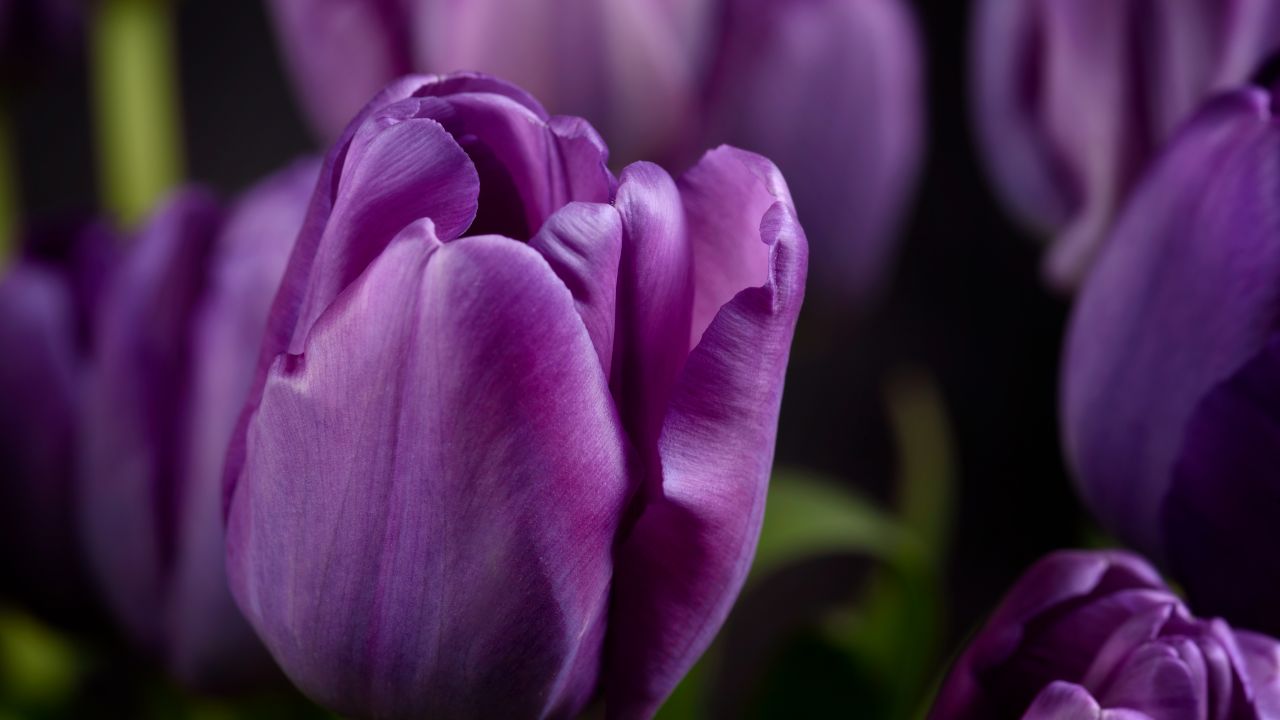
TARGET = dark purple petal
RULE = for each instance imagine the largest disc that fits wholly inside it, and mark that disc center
(40, 375)
(1063, 701)
(582, 243)
(1221, 506)
(1186, 292)
(425, 523)
(684, 562)
(136, 418)
(981, 684)
(831, 91)
(340, 53)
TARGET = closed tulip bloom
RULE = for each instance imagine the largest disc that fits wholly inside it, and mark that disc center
(1170, 375)
(828, 89)
(514, 419)
(180, 332)
(1073, 98)
(47, 298)
(1097, 635)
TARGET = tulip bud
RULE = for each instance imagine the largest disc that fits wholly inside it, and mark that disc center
(1098, 635)
(503, 474)
(1169, 372)
(47, 298)
(179, 333)
(1074, 97)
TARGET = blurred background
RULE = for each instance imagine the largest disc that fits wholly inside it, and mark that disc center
(918, 469)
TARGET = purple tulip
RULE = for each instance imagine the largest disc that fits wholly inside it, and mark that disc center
(830, 89)
(1098, 636)
(1169, 375)
(1074, 97)
(514, 419)
(47, 298)
(179, 335)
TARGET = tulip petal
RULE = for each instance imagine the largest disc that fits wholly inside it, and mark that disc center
(1060, 578)
(1221, 504)
(340, 53)
(610, 62)
(40, 384)
(1157, 681)
(425, 523)
(132, 473)
(209, 643)
(655, 294)
(1260, 665)
(1184, 295)
(1063, 701)
(851, 165)
(685, 560)
(582, 242)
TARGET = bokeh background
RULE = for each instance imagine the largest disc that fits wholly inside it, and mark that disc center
(918, 463)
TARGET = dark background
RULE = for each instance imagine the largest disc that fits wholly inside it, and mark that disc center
(966, 304)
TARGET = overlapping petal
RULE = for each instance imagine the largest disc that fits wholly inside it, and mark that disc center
(687, 556)
(447, 551)
(1185, 294)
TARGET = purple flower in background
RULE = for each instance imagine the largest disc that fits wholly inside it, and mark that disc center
(47, 299)
(179, 334)
(514, 420)
(1097, 635)
(1170, 377)
(1072, 99)
(829, 89)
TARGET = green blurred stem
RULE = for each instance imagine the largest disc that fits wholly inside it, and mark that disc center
(132, 64)
(9, 203)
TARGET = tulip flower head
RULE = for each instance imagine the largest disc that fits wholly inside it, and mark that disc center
(1098, 635)
(179, 333)
(513, 422)
(1169, 375)
(1073, 99)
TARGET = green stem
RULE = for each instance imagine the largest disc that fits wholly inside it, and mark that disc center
(133, 64)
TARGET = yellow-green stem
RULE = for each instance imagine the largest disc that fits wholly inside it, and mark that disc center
(9, 204)
(133, 65)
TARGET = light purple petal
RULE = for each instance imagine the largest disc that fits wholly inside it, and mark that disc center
(425, 523)
(684, 562)
(632, 69)
(1157, 680)
(340, 53)
(1220, 509)
(132, 470)
(582, 243)
(1185, 293)
(209, 644)
(1260, 664)
(655, 294)
(831, 91)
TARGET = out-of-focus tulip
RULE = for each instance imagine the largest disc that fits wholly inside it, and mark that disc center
(829, 89)
(1170, 373)
(503, 474)
(47, 298)
(1097, 635)
(1072, 99)
(179, 334)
